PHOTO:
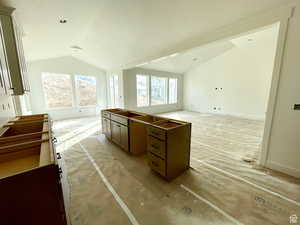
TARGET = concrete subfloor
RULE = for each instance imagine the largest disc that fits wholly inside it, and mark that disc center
(108, 186)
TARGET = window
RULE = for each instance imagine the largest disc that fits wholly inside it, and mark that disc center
(57, 90)
(158, 90)
(172, 90)
(142, 88)
(114, 90)
(86, 90)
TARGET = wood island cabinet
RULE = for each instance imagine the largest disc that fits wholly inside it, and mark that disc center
(166, 142)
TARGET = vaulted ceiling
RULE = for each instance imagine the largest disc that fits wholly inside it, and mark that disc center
(182, 62)
(116, 33)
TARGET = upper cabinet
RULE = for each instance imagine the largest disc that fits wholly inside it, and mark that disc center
(13, 70)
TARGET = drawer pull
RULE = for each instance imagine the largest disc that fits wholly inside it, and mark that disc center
(154, 146)
(54, 140)
(60, 171)
(58, 155)
(155, 164)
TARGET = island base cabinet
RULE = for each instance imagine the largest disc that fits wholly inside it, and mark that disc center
(119, 135)
(124, 137)
(116, 133)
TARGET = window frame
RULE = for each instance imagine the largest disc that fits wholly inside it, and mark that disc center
(166, 100)
(77, 95)
(149, 87)
(176, 79)
(114, 99)
(72, 93)
(148, 91)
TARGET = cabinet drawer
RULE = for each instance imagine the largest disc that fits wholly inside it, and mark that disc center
(106, 114)
(157, 146)
(157, 164)
(156, 132)
(119, 119)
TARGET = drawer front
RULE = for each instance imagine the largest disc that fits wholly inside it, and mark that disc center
(156, 132)
(106, 114)
(157, 164)
(157, 146)
(119, 119)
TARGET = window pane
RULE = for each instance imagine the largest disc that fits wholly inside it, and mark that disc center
(172, 91)
(57, 90)
(116, 90)
(142, 90)
(86, 89)
(112, 92)
(158, 90)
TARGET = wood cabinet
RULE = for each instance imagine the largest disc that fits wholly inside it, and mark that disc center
(124, 138)
(119, 135)
(167, 142)
(169, 147)
(30, 174)
(12, 54)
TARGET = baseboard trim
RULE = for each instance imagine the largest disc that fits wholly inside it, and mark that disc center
(240, 115)
(284, 169)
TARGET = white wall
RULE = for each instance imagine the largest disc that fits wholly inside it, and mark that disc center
(130, 98)
(284, 145)
(66, 65)
(242, 76)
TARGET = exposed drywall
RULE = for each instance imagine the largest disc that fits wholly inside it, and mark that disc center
(236, 82)
(66, 65)
(284, 145)
(130, 99)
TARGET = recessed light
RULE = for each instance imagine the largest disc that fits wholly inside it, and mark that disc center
(195, 59)
(63, 21)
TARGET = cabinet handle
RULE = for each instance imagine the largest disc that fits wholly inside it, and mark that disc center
(54, 140)
(154, 146)
(58, 155)
(60, 171)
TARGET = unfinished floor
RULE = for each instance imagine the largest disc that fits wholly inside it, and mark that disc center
(108, 186)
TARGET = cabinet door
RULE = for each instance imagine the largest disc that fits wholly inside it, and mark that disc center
(116, 132)
(124, 137)
(5, 84)
(104, 126)
(22, 62)
(2, 85)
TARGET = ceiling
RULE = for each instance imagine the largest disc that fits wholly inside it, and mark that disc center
(183, 62)
(116, 33)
